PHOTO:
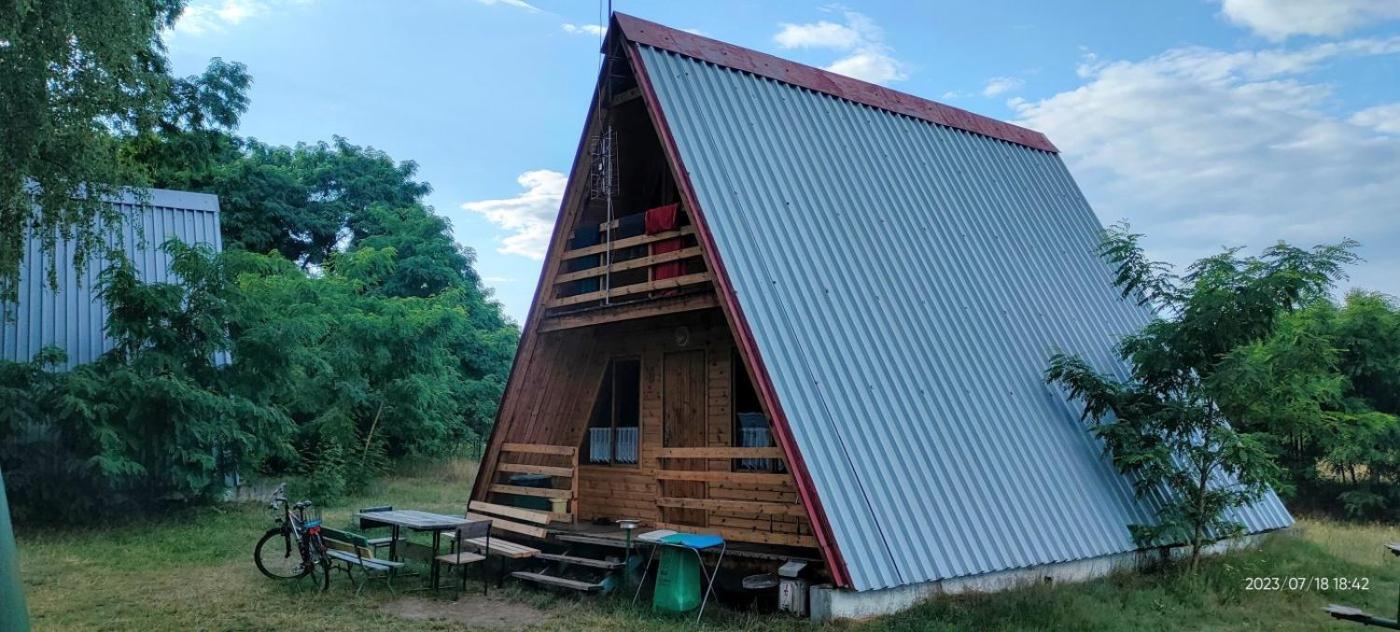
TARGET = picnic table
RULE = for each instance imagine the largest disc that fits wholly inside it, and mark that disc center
(419, 521)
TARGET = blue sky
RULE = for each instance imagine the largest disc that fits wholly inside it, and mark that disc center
(1205, 123)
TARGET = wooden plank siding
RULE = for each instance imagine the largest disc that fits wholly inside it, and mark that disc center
(563, 377)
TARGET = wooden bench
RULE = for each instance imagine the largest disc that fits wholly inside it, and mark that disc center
(353, 550)
(478, 510)
(503, 548)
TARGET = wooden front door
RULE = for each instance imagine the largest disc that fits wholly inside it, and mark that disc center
(683, 426)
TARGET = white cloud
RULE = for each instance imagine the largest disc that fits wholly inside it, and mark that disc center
(1002, 85)
(204, 17)
(1277, 20)
(529, 216)
(821, 34)
(1201, 148)
(1382, 118)
(519, 4)
(865, 55)
(584, 29)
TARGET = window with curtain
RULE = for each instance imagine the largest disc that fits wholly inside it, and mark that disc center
(751, 427)
(614, 427)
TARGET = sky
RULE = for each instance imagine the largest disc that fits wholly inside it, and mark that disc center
(1203, 123)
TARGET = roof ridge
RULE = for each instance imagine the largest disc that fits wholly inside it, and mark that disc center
(739, 58)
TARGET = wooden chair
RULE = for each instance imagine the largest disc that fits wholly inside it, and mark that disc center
(463, 537)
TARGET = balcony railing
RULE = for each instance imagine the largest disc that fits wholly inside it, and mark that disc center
(627, 269)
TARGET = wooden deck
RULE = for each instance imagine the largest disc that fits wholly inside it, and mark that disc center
(612, 536)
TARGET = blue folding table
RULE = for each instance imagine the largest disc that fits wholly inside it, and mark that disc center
(694, 542)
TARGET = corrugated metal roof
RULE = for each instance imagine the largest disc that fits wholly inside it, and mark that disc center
(825, 81)
(73, 317)
(905, 283)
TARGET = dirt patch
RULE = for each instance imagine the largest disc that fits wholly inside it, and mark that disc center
(475, 612)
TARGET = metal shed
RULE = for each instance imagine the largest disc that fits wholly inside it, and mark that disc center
(72, 316)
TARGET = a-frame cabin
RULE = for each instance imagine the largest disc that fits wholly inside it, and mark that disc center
(812, 315)
(628, 376)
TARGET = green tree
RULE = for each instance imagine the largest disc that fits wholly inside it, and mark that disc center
(1283, 388)
(1367, 335)
(364, 376)
(316, 196)
(1321, 389)
(150, 422)
(1163, 426)
(192, 135)
(73, 75)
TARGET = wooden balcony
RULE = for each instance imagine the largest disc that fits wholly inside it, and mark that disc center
(623, 277)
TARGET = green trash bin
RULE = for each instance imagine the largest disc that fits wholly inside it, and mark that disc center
(677, 581)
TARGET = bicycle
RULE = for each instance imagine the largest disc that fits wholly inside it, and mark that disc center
(294, 533)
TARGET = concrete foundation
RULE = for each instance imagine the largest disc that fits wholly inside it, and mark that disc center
(828, 603)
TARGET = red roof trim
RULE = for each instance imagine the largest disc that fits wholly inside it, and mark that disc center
(743, 336)
(731, 56)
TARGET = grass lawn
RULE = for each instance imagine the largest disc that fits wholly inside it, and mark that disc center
(194, 571)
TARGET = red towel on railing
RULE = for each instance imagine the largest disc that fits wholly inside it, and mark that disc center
(660, 220)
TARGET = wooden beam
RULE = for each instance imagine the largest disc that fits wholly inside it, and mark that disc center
(513, 527)
(745, 535)
(735, 506)
(532, 448)
(630, 311)
(636, 288)
(630, 264)
(626, 95)
(628, 242)
(521, 468)
(528, 515)
(725, 477)
(543, 492)
(720, 453)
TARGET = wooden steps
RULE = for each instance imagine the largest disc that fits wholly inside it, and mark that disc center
(558, 582)
(580, 561)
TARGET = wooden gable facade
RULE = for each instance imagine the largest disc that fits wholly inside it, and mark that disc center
(629, 397)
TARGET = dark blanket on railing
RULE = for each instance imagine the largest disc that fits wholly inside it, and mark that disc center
(583, 237)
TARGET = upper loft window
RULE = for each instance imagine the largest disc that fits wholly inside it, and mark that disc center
(614, 428)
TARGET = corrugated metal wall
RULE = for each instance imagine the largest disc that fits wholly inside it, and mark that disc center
(906, 284)
(73, 317)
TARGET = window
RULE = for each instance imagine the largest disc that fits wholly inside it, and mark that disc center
(614, 428)
(751, 427)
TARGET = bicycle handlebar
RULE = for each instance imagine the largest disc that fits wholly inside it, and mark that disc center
(279, 497)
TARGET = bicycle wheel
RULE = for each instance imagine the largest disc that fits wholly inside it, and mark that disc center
(277, 556)
(323, 563)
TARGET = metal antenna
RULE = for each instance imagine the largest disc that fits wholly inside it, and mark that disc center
(603, 177)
